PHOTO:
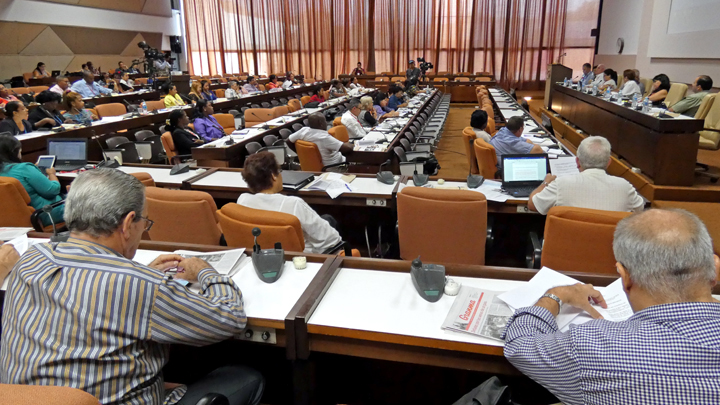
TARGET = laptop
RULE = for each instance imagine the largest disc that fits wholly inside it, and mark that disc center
(55, 73)
(521, 174)
(70, 153)
(296, 180)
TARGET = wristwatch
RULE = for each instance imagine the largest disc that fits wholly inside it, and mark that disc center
(554, 297)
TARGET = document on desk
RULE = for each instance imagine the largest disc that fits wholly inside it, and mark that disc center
(563, 166)
(512, 113)
(226, 262)
(334, 184)
(492, 191)
(9, 233)
(506, 105)
(478, 312)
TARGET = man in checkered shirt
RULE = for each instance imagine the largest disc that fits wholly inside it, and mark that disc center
(668, 352)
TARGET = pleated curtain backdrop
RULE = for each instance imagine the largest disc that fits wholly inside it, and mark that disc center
(513, 39)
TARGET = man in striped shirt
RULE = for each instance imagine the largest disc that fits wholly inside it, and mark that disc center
(668, 352)
(82, 314)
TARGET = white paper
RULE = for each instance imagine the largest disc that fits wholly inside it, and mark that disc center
(225, 262)
(564, 166)
(8, 233)
(20, 244)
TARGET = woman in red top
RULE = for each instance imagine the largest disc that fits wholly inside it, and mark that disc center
(317, 96)
(273, 84)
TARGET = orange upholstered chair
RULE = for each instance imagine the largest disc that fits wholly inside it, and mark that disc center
(27, 76)
(309, 156)
(294, 104)
(304, 100)
(14, 203)
(110, 109)
(141, 80)
(38, 89)
(237, 223)
(227, 121)
(486, 158)
(469, 137)
(580, 239)
(220, 93)
(457, 218)
(706, 211)
(153, 105)
(490, 129)
(145, 178)
(340, 133)
(168, 145)
(18, 394)
(337, 121)
(279, 111)
(182, 216)
(254, 116)
(21, 90)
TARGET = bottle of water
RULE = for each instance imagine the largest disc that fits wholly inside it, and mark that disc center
(646, 105)
(144, 107)
(635, 100)
(565, 82)
(608, 93)
(595, 89)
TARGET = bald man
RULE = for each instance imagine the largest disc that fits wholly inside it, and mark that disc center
(599, 71)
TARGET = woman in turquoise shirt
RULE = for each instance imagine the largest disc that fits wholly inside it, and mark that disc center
(42, 190)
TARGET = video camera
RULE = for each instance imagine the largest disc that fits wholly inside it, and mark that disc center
(424, 66)
(151, 53)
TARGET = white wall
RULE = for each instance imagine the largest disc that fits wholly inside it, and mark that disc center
(620, 19)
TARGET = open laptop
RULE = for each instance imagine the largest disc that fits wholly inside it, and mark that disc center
(55, 73)
(70, 153)
(521, 174)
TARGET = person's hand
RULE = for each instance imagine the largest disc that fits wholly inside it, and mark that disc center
(199, 141)
(8, 257)
(188, 269)
(69, 121)
(581, 296)
(549, 178)
(50, 171)
(166, 262)
(46, 121)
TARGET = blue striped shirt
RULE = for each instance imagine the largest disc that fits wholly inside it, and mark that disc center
(79, 314)
(664, 354)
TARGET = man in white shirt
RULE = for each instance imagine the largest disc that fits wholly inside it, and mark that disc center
(61, 86)
(331, 149)
(289, 80)
(591, 188)
(351, 121)
(599, 76)
(262, 175)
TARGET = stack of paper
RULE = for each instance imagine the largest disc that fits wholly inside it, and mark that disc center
(564, 166)
(226, 262)
(10, 233)
(334, 184)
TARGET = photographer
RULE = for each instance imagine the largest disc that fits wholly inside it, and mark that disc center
(162, 67)
(412, 74)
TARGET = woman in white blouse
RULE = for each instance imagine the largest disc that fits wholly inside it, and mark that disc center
(353, 83)
(610, 77)
(630, 85)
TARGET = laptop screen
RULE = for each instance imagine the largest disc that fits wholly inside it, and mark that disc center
(68, 149)
(524, 168)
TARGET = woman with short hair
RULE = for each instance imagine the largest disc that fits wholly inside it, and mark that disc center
(630, 85)
(46, 115)
(368, 116)
(172, 99)
(478, 122)
(183, 137)
(381, 106)
(205, 124)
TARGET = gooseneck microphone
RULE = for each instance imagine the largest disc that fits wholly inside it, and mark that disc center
(55, 237)
(107, 162)
(385, 177)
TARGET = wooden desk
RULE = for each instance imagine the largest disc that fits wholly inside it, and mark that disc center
(133, 98)
(43, 81)
(664, 149)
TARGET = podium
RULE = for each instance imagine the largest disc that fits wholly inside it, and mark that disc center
(181, 82)
(555, 73)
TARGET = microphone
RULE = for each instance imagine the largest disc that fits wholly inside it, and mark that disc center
(259, 119)
(131, 108)
(385, 177)
(56, 237)
(107, 162)
(188, 100)
(420, 179)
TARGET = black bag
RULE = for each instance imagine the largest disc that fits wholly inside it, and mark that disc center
(490, 392)
(312, 104)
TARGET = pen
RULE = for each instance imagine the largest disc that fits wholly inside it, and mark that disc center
(348, 187)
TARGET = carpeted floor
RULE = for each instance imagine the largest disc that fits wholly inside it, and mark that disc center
(451, 151)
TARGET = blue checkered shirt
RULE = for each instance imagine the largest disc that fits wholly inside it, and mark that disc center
(665, 354)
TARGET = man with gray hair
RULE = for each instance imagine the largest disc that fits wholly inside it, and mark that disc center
(351, 120)
(591, 188)
(83, 314)
(668, 352)
(332, 150)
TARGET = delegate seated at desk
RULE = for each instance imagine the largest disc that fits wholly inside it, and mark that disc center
(508, 140)
(76, 111)
(587, 76)
(668, 352)
(113, 341)
(598, 72)
(17, 122)
(262, 175)
(172, 98)
(183, 137)
(88, 88)
(591, 188)
(251, 86)
(689, 105)
(351, 121)
(332, 150)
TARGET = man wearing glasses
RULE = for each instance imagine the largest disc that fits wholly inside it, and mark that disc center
(82, 314)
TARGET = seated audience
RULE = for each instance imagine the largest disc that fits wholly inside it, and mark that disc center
(358, 70)
(351, 121)
(196, 91)
(16, 119)
(5, 96)
(124, 82)
(62, 85)
(353, 83)
(75, 110)
(478, 122)
(207, 94)
(46, 115)
(332, 150)
(41, 189)
(591, 188)
(172, 99)
(8, 258)
(640, 82)
(251, 85)
(234, 90)
(666, 352)
(108, 82)
(88, 88)
(84, 69)
(381, 106)
(508, 140)
(610, 80)
(397, 99)
(630, 85)
(660, 88)
(599, 73)
(368, 116)
(205, 124)
(289, 80)
(40, 71)
(337, 89)
(689, 105)
(183, 137)
(126, 314)
(92, 69)
(122, 68)
(264, 178)
(273, 83)
(317, 96)
(587, 76)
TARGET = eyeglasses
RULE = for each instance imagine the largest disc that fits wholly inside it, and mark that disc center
(150, 223)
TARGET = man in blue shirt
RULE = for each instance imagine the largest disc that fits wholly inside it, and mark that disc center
(251, 85)
(88, 88)
(396, 99)
(509, 141)
(588, 75)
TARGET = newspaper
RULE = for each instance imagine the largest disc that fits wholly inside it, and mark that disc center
(225, 262)
(478, 312)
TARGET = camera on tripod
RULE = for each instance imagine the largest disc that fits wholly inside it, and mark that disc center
(424, 66)
(151, 54)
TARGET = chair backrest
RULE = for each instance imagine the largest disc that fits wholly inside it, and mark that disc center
(285, 133)
(280, 111)
(20, 394)
(340, 133)
(27, 76)
(462, 79)
(168, 144)
(486, 158)
(114, 141)
(705, 106)
(14, 203)
(110, 109)
(706, 211)
(458, 219)
(337, 121)
(238, 222)
(468, 136)
(676, 93)
(304, 100)
(144, 134)
(38, 89)
(175, 212)
(220, 93)
(648, 85)
(254, 116)
(227, 121)
(387, 73)
(129, 152)
(153, 105)
(145, 178)
(269, 140)
(253, 147)
(309, 156)
(141, 80)
(294, 105)
(580, 239)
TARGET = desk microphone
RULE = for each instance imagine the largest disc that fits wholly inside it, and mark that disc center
(420, 179)
(385, 177)
(260, 119)
(268, 263)
(107, 162)
(63, 237)
(186, 99)
(131, 108)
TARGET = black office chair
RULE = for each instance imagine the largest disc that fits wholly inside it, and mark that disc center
(275, 103)
(254, 105)
(129, 152)
(144, 134)
(156, 146)
(114, 141)
(269, 140)
(405, 144)
(235, 113)
(265, 104)
(285, 133)
(253, 147)
(297, 127)
(305, 122)
(283, 100)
